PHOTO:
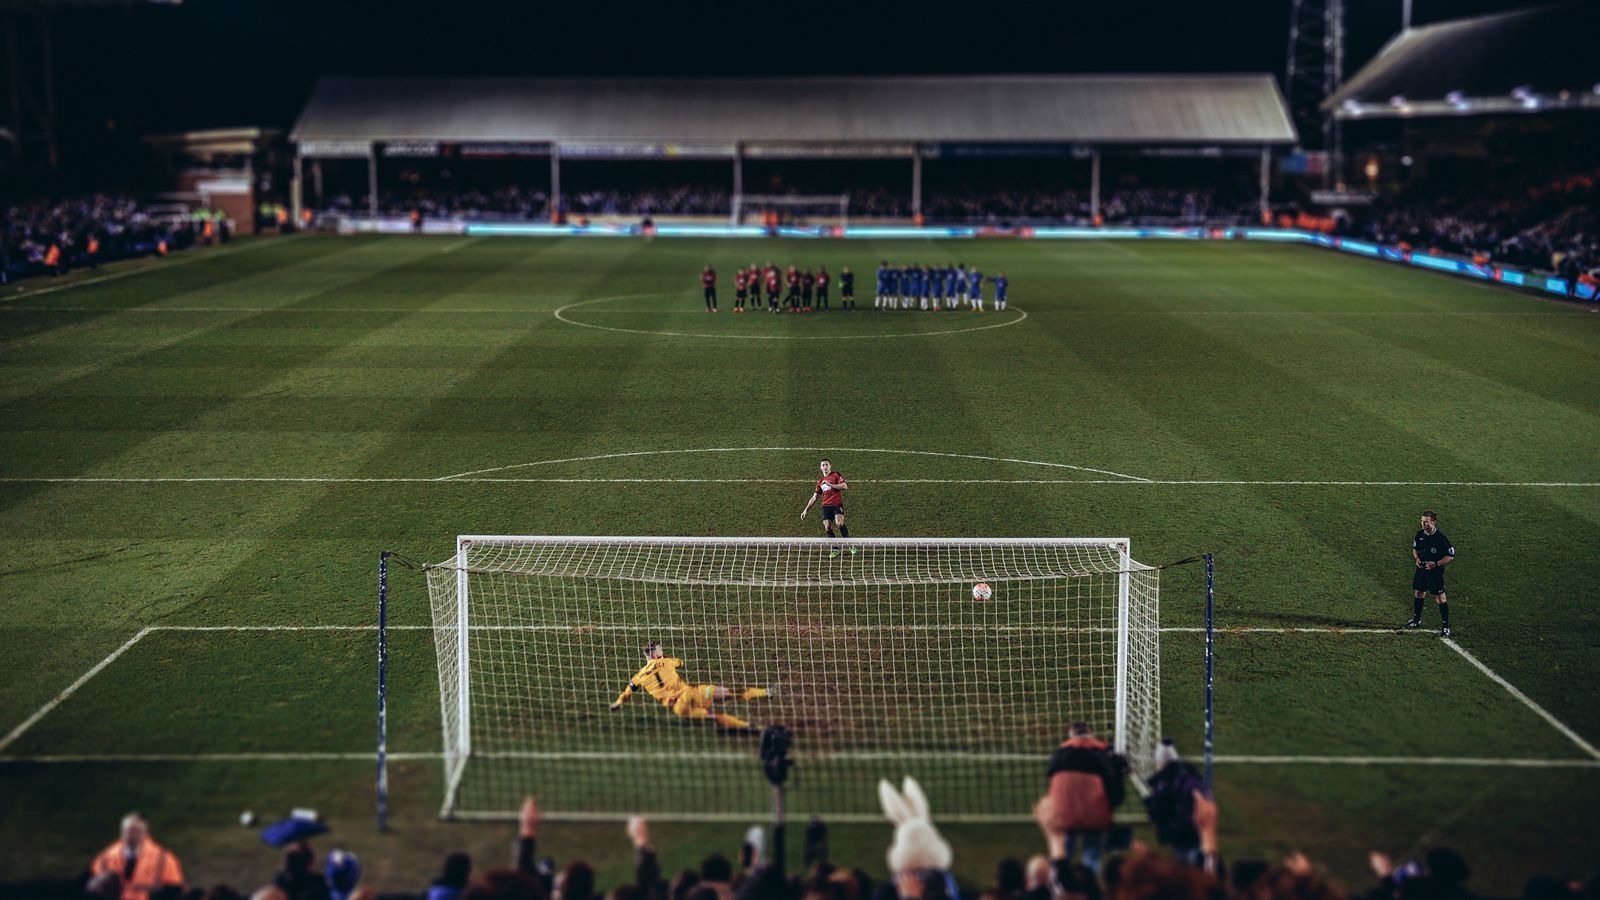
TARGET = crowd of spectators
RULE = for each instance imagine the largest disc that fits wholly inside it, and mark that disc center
(1053, 204)
(1083, 855)
(52, 237)
(1545, 224)
(1549, 224)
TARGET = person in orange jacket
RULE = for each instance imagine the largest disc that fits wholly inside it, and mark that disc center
(1086, 787)
(52, 259)
(143, 865)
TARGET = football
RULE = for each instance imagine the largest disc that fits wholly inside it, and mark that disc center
(981, 591)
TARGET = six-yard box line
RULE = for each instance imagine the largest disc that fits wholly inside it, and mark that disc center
(1589, 750)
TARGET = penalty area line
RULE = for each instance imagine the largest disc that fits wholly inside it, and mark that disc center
(1544, 714)
(1514, 762)
(71, 689)
(464, 479)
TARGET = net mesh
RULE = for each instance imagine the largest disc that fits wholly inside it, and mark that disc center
(880, 661)
(791, 209)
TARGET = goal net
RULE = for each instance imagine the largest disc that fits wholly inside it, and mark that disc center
(792, 209)
(879, 660)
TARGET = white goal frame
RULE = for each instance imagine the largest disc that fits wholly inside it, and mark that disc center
(458, 740)
(742, 201)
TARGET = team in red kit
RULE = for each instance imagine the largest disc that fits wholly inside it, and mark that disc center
(807, 290)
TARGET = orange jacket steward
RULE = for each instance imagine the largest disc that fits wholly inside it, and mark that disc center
(153, 868)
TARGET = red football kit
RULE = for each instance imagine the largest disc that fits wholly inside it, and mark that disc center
(833, 496)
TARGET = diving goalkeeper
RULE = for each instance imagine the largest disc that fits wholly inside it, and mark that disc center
(660, 679)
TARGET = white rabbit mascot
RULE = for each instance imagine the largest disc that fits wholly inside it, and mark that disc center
(917, 844)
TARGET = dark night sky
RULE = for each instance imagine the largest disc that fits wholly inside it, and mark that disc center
(218, 63)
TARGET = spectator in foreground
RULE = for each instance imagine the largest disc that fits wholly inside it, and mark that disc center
(919, 858)
(1170, 804)
(143, 865)
(575, 882)
(452, 879)
(298, 879)
(716, 873)
(1085, 789)
(1148, 876)
(1037, 884)
(344, 873)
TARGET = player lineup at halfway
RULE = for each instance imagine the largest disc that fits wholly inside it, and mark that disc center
(900, 286)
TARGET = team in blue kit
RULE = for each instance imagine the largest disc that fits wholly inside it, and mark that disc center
(934, 288)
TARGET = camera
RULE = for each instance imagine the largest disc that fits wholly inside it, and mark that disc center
(775, 761)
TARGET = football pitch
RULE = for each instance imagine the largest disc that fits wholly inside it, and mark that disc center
(203, 459)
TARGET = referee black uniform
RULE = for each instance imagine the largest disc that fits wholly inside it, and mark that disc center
(1433, 551)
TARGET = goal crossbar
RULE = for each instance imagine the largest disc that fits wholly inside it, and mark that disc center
(1122, 543)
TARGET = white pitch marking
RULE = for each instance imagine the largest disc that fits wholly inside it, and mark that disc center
(386, 310)
(1170, 629)
(1026, 462)
(1533, 763)
(774, 337)
(540, 310)
(71, 689)
(367, 757)
(457, 245)
(1571, 735)
(463, 479)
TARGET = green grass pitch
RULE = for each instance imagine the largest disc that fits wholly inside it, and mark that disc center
(1290, 409)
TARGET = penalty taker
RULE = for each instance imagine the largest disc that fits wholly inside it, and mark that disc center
(660, 679)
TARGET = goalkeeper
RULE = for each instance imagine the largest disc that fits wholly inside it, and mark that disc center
(660, 679)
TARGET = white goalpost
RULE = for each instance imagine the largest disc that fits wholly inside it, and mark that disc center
(829, 209)
(874, 652)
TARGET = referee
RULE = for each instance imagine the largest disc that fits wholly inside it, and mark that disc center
(1431, 551)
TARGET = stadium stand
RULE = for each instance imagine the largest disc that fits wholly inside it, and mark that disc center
(55, 236)
(1488, 79)
(911, 119)
(1525, 61)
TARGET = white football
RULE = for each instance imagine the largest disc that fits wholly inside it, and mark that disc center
(981, 591)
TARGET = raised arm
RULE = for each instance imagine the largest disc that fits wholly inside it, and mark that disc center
(810, 500)
(623, 697)
(627, 690)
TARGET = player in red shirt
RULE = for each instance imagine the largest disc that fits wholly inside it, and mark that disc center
(794, 288)
(772, 287)
(708, 280)
(822, 288)
(739, 292)
(831, 488)
(752, 280)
